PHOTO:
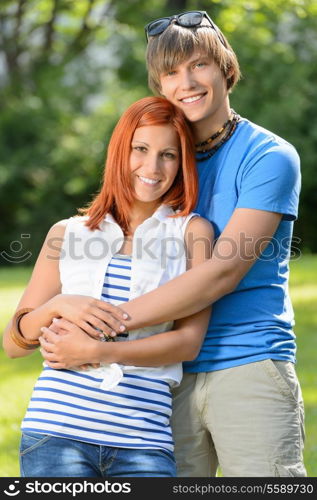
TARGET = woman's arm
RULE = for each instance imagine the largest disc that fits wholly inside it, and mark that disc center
(180, 344)
(43, 295)
(43, 285)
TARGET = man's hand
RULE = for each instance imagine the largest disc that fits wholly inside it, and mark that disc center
(91, 315)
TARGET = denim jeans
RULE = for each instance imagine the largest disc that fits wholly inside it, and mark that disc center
(42, 455)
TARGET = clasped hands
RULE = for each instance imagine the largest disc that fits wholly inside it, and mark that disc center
(80, 322)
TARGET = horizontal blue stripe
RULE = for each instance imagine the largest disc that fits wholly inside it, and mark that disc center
(155, 391)
(155, 381)
(76, 374)
(119, 267)
(126, 258)
(107, 403)
(114, 297)
(94, 410)
(99, 421)
(118, 276)
(95, 441)
(117, 287)
(94, 431)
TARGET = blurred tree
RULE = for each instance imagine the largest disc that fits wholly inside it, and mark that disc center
(60, 100)
(69, 68)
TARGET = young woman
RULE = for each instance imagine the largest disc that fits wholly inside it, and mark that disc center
(114, 420)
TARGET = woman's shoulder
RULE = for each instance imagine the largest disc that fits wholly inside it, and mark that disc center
(193, 225)
(199, 240)
(59, 228)
(199, 227)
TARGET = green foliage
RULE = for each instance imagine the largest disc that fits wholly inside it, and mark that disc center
(70, 68)
(277, 52)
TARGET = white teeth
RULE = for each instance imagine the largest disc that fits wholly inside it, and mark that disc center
(192, 99)
(148, 181)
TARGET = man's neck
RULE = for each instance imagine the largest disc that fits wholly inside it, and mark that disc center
(210, 125)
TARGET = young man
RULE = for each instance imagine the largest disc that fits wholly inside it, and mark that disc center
(240, 402)
(239, 405)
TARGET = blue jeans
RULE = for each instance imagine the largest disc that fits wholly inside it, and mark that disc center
(42, 455)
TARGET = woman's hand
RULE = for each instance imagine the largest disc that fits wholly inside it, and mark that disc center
(93, 316)
(67, 348)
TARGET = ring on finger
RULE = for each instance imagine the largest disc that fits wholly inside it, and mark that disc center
(106, 338)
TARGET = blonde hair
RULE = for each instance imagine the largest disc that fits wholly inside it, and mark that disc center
(177, 44)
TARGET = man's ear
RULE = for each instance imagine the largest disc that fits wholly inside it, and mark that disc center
(230, 73)
(228, 77)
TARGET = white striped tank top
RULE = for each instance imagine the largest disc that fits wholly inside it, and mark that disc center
(71, 404)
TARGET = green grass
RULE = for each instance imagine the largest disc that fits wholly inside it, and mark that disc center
(18, 375)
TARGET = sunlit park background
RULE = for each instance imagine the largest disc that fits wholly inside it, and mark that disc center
(68, 69)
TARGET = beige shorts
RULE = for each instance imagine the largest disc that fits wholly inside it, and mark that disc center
(249, 420)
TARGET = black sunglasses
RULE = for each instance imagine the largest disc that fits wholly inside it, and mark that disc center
(189, 19)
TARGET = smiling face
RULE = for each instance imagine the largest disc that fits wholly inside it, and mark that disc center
(198, 87)
(154, 162)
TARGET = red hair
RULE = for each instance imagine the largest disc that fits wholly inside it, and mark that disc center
(117, 195)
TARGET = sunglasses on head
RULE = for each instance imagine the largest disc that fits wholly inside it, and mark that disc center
(189, 19)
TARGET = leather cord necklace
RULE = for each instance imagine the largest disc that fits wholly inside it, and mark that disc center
(229, 128)
(214, 136)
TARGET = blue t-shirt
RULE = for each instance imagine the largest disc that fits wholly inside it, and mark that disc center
(254, 169)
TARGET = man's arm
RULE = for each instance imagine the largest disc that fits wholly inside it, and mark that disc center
(243, 240)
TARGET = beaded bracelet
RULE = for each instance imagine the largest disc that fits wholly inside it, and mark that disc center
(16, 334)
